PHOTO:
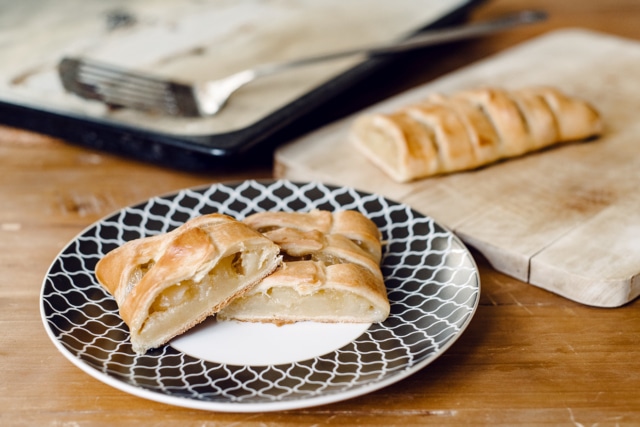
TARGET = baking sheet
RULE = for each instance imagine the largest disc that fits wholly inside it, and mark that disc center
(194, 41)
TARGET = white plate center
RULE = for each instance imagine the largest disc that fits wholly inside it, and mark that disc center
(261, 344)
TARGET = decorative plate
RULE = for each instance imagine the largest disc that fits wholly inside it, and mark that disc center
(432, 281)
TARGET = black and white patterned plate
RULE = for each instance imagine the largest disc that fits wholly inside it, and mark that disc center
(431, 278)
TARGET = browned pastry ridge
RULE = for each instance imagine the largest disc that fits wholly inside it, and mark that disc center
(168, 283)
(330, 273)
(471, 128)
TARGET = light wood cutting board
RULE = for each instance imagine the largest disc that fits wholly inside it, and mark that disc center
(566, 219)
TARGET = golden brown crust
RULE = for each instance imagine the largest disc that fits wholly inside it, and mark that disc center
(354, 226)
(538, 117)
(326, 255)
(505, 116)
(293, 225)
(450, 135)
(482, 135)
(575, 119)
(471, 128)
(154, 276)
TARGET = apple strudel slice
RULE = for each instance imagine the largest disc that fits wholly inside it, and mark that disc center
(168, 283)
(330, 271)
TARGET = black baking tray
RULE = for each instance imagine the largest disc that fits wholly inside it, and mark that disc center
(223, 150)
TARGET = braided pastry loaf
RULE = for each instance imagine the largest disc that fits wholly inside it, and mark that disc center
(470, 129)
(330, 272)
(166, 284)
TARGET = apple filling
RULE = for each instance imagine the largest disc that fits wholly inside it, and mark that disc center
(298, 292)
(288, 305)
(190, 301)
(325, 258)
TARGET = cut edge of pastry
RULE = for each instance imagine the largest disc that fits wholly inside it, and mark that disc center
(194, 277)
(309, 291)
(402, 148)
(204, 298)
(330, 276)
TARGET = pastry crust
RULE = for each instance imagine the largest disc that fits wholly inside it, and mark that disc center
(482, 135)
(331, 271)
(505, 116)
(471, 128)
(168, 283)
(449, 134)
(575, 119)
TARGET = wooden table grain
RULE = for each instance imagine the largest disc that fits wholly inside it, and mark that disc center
(528, 357)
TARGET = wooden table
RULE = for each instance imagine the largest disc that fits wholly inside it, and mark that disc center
(528, 357)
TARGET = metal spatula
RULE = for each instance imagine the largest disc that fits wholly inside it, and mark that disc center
(130, 89)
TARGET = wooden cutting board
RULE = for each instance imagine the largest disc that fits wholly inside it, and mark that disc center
(566, 219)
